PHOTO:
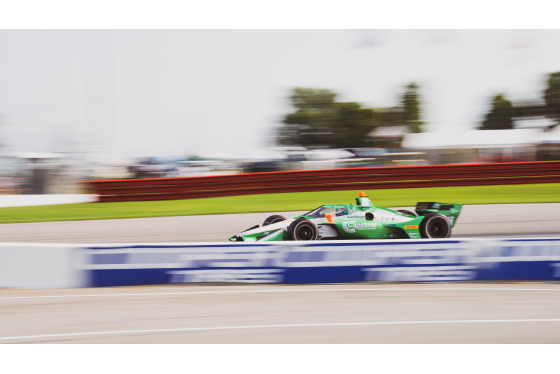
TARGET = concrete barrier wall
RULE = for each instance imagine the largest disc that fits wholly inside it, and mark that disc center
(67, 266)
(42, 266)
(47, 199)
(327, 262)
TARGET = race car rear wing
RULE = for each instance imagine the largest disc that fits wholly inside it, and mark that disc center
(451, 211)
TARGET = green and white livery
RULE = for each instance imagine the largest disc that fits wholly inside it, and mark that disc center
(362, 220)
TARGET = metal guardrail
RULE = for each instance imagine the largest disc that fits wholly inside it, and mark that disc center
(328, 180)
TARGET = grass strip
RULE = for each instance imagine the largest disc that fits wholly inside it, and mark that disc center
(279, 202)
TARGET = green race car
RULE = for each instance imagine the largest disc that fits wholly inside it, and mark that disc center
(362, 220)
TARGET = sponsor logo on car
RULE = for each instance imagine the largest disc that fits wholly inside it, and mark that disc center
(390, 217)
(411, 227)
(351, 226)
(355, 215)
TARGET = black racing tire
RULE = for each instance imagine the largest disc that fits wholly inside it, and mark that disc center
(435, 226)
(273, 219)
(303, 229)
(407, 212)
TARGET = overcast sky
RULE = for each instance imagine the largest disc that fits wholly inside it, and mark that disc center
(179, 92)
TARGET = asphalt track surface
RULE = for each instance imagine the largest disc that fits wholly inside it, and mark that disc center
(356, 313)
(504, 220)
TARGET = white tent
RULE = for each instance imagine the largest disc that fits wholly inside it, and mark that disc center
(534, 122)
(37, 155)
(550, 137)
(473, 139)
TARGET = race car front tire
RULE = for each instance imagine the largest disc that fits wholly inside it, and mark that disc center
(435, 226)
(273, 219)
(303, 229)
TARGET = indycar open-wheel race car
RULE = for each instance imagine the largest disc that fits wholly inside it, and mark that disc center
(362, 220)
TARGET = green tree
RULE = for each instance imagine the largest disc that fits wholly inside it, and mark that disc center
(319, 121)
(500, 116)
(552, 97)
(410, 103)
(388, 116)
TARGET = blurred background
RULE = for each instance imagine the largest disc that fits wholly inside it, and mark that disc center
(81, 105)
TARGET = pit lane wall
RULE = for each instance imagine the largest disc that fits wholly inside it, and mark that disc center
(283, 262)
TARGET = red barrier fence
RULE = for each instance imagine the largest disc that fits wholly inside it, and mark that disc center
(10, 186)
(328, 180)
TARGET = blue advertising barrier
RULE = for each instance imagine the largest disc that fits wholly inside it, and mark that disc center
(325, 262)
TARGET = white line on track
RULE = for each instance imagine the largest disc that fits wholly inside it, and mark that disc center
(334, 324)
(279, 291)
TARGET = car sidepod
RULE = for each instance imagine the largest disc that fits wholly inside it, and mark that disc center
(350, 228)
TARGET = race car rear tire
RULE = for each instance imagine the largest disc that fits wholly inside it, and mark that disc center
(273, 219)
(435, 226)
(303, 229)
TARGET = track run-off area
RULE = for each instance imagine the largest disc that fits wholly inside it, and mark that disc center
(350, 313)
